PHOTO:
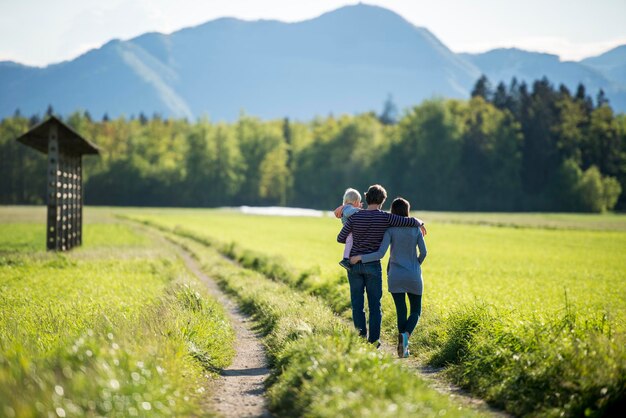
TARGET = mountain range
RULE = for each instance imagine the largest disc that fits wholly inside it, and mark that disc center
(345, 61)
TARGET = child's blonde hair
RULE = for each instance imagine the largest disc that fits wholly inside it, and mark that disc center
(351, 196)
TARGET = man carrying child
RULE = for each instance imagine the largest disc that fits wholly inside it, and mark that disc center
(367, 228)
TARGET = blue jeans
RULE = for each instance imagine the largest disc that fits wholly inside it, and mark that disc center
(366, 278)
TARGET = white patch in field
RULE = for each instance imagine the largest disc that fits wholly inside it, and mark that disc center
(282, 211)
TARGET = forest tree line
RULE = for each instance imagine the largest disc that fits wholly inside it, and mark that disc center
(514, 147)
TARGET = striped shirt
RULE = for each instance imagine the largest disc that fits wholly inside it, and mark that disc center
(368, 228)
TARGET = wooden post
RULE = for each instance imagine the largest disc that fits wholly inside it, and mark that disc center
(74, 200)
(79, 183)
(73, 204)
(62, 210)
(53, 194)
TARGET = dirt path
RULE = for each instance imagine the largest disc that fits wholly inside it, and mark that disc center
(240, 390)
(437, 382)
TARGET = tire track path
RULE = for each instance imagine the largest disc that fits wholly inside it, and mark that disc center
(240, 390)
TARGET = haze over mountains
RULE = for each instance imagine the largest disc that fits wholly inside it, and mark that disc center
(345, 61)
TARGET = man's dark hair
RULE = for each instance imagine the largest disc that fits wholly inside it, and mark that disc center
(400, 207)
(375, 195)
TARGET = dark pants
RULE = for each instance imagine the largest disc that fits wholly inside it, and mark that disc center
(407, 324)
(366, 278)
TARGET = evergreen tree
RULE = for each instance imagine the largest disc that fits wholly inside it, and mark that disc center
(582, 97)
(482, 88)
(540, 157)
(514, 102)
(389, 115)
(601, 99)
(288, 136)
(501, 99)
(34, 120)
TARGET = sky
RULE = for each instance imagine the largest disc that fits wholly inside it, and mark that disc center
(42, 32)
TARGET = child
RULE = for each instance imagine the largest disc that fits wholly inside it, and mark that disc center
(351, 204)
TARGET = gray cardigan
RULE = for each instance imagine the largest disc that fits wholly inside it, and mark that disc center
(404, 273)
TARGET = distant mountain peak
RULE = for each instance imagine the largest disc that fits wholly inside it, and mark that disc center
(618, 52)
(365, 13)
(346, 60)
(10, 63)
(364, 8)
(517, 52)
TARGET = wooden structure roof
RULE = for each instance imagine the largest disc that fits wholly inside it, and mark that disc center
(70, 141)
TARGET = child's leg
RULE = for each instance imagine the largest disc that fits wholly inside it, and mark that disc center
(348, 246)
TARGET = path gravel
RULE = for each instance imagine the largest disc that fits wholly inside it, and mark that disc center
(240, 389)
(441, 385)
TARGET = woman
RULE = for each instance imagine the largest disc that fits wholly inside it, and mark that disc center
(404, 273)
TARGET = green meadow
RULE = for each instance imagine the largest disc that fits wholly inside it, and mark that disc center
(527, 314)
(526, 311)
(535, 271)
(114, 328)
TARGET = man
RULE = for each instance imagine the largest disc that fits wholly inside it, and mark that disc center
(367, 228)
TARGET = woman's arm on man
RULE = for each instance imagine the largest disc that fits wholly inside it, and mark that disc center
(368, 258)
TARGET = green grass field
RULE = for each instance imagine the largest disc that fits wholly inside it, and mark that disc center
(604, 222)
(523, 315)
(528, 269)
(116, 327)
(526, 311)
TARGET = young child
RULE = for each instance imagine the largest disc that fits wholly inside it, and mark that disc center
(351, 204)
